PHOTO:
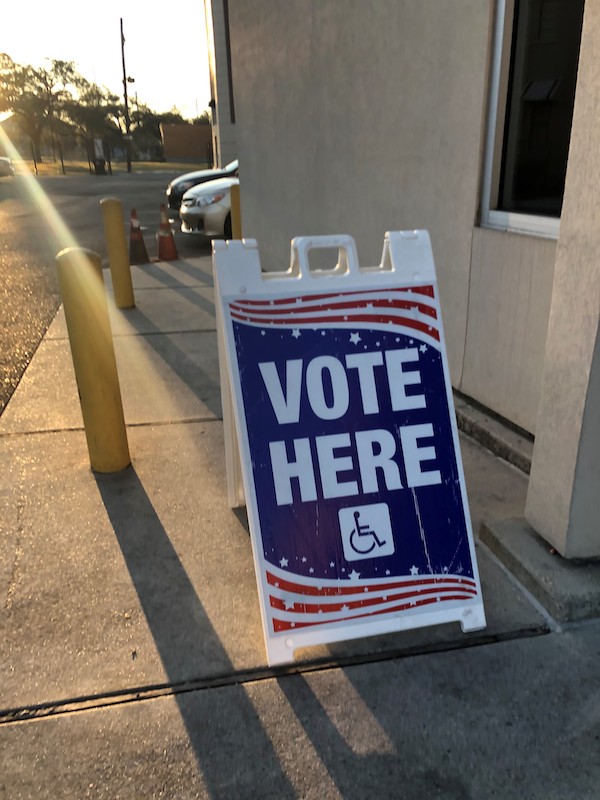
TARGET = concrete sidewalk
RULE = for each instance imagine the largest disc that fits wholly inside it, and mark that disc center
(133, 659)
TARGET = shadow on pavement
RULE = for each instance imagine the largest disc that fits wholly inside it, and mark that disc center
(179, 625)
(191, 270)
(187, 369)
(364, 759)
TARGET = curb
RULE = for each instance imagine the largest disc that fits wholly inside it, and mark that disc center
(494, 434)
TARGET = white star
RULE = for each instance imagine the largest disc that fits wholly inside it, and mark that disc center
(283, 562)
(414, 570)
(411, 341)
(320, 611)
(331, 564)
(445, 570)
(414, 308)
(277, 584)
(366, 589)
(345, 608)
(378, 344)
(354, 575)
(296, 333)
(304, 559)
(385, 596)
(311, 569)
(423, 348)
(322, 333)
(387, 572)
(355, 338)
(289, 605)
(262, 333)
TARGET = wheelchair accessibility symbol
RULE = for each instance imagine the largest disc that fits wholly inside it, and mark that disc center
(366, 531)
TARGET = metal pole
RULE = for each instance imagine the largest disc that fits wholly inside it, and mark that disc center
(127, 120)
(86, 312)
(236, 212)
(33, 157)
(118, 257)
(62, 161)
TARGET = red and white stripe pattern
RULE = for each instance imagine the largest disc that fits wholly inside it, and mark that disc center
(412, 308)
(299, 602)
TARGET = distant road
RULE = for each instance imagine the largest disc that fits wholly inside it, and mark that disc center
(28, 288)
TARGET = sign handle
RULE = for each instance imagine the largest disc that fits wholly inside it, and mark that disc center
(347, 256)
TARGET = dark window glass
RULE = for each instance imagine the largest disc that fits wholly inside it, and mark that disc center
(543, 74)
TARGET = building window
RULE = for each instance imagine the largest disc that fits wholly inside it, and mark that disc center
(532, 95)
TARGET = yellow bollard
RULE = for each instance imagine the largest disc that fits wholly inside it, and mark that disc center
(118, 257)
(86, 310)
(236, 212)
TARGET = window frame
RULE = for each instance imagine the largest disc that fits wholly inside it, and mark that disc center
(537, 225)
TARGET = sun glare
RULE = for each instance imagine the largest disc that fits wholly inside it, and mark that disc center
(155, 391)
(57, 231)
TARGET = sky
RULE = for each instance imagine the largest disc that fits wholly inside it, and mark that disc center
(165, 46)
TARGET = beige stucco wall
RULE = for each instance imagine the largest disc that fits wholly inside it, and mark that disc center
(509, 303)
(359, 118)
(563, 502)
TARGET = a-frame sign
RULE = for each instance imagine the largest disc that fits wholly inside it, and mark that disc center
(348, 442)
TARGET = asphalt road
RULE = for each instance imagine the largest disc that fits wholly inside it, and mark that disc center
(33, 216)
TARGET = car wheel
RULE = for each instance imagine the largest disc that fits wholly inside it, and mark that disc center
(227, 227)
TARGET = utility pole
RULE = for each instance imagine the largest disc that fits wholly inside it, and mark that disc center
(127, 120)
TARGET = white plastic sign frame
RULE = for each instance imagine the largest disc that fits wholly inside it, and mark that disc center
(350, 457)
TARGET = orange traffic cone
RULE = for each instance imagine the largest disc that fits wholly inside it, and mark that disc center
(166, 241)
(137, 249)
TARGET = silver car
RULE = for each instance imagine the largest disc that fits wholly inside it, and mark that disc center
(206, 209)
(6, 167)
(179, 186)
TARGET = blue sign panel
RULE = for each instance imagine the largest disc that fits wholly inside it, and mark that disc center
(353, 466)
